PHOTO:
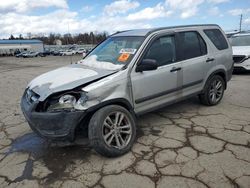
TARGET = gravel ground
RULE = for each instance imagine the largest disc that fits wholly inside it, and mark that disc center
(182, 145)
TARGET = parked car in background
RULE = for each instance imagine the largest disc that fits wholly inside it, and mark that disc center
(230, 34)
(68, 52)
(31, 54)
(241, 51)
(84, 54)
(105, 92)
(42, 54)
(56, 53)
(47, 52)
(80, 51)
(21, 54)
(16, 52)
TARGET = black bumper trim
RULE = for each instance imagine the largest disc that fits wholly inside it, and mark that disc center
(137, 101)
(56, 125)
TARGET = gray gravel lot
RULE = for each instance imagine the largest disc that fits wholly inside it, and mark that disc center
(182, 145)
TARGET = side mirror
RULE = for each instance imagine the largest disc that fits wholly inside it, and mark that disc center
(147, 65)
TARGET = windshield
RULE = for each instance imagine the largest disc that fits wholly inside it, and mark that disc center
(243, 40)
(114, 53)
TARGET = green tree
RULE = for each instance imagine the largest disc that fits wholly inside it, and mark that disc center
(12, 37)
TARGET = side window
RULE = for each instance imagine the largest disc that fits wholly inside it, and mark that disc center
(162, 50)
(191, 45)
(203, 45)
(217, 38)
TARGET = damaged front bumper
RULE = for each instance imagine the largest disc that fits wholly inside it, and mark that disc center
(52, 125)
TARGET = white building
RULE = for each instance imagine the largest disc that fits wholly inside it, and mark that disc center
(10, 46)
(58, 42)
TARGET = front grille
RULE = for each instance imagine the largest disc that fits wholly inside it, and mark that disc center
(31, 96)
(239, 58)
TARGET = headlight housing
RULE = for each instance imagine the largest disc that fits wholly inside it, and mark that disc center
(68, 102)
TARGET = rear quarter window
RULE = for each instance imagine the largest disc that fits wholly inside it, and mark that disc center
(217, 38)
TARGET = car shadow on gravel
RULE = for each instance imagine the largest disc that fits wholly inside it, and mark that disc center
(56, 156)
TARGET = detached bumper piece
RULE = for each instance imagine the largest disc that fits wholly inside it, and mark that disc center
(52, 125)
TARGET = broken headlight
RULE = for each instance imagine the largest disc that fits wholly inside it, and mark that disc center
(68, 102)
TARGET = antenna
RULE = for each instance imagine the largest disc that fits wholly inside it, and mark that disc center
(241, 22)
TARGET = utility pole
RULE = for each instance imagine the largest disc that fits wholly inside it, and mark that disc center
(240, 21)
(68, 44)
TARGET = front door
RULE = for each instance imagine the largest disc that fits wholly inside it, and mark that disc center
(156, 87)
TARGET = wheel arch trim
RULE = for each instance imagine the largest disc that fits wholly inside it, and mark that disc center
(220, 72)
(118, 101)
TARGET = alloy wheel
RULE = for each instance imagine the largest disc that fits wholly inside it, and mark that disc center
(117, 130)
(216, 91)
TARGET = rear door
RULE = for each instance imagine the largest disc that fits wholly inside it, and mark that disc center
(222, 49)
(156, 87)
(193, 53)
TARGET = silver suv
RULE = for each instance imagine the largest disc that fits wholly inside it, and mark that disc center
(130, 73)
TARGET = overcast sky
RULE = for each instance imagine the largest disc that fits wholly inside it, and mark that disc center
(46, 16)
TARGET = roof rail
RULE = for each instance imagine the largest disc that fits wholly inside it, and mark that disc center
(181, 26)
(149, 31)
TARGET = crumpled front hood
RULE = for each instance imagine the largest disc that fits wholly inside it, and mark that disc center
(241, 50)
(65, 78)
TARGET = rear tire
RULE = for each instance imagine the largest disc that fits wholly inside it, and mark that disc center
(213, 91)
(112, 131)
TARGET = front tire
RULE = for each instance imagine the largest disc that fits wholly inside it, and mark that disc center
(213, 91)
(112, 131)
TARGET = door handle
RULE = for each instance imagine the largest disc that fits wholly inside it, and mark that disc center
(175, 69)
(210, 59)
